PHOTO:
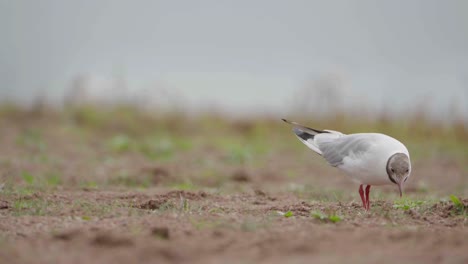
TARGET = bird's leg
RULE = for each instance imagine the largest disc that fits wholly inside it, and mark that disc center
(367, 197)
(361, 193)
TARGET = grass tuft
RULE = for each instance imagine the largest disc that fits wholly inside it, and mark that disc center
(458, 206)
(326, 218)
(408, 204)
(288, 214)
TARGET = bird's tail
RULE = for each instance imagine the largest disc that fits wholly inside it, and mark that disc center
(306, 135)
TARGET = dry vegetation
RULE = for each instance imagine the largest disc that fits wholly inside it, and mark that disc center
(94, 185)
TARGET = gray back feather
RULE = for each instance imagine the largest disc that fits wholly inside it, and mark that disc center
(335, 150)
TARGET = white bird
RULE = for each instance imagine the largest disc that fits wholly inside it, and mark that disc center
(368, 158)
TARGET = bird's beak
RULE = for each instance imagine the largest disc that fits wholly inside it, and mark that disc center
(399, 188)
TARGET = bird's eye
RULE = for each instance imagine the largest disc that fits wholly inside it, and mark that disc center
(407, 170)
(393, 170)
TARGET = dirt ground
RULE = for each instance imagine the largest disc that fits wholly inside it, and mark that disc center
(83, 192)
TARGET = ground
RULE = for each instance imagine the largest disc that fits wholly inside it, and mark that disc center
(89, 185)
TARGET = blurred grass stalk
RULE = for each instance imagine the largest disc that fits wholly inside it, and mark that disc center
(134, 120)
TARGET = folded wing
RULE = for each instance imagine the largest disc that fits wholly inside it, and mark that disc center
(335, 150)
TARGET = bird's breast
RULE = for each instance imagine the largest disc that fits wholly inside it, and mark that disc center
(368, 168)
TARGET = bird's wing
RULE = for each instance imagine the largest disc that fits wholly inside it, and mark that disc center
(335, 150)
(304, 128)
(306, 135)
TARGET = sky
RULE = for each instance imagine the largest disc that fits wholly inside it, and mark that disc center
(242, 56)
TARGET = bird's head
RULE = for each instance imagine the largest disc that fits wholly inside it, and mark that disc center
(399, 169)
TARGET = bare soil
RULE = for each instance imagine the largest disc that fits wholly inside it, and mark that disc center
(198, 227)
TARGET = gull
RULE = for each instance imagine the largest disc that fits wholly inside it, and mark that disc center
(367, 158)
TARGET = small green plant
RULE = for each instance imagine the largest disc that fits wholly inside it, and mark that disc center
(407, 204)
(27, 177)
(239, 155)
(456, 201)
(30, 207)
(120, 143)
(326, 218)
(458, 205)
(53, 179)
(88, 185)
(318, 215)
(157, 148)
(184, 205)
(334, 218)
(288, 214)
(186, 186)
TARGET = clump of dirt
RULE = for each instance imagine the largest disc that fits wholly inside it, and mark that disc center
(4, 205)
(186, 194)
(259, 192)
(445, 209)
(241, 176)
(108, 239)
(31, 196)
(153, 204)
(262, 198)
(414, 214)
(161, 232)
(68, 234)
(166, 200)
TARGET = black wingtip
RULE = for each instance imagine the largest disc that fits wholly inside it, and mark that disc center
(302, 134)
(286, 121)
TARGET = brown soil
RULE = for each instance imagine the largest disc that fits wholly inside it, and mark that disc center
(199, 227)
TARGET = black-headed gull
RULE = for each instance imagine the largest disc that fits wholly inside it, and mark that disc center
(368, 158)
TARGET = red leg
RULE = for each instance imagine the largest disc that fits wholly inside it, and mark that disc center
(367, 196)
(361, 193)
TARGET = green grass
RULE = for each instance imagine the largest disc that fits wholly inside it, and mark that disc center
(332, 218)
(41, 181)
(53, 179)
(212, 146)
(33, 206)
(408, 204)
(158, 148)
(27, 177)
(88, 185)
(459, 207)
(120, 143)
(288, 214)
(89, 209)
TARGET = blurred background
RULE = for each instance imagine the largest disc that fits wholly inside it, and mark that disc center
(152, 130)
(189, 94)
(240, 57)
(143, 130)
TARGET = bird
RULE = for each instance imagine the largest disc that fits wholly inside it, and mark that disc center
(367, 158)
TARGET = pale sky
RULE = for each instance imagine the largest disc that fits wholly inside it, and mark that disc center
(242, 55)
